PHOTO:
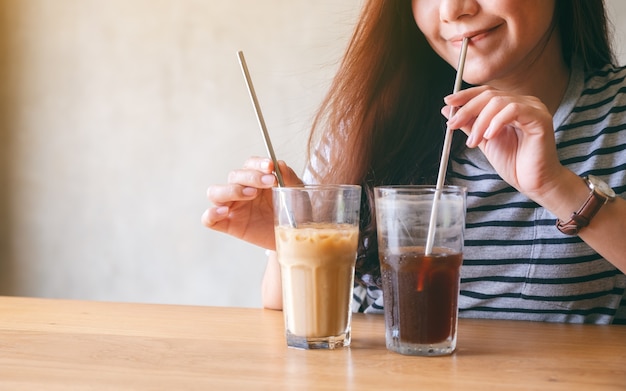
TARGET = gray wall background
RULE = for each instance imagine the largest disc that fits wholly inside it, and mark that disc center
(115, 116)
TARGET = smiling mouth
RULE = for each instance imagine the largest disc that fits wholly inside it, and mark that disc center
(473, 35)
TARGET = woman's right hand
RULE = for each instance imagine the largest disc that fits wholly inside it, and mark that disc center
(243, 207)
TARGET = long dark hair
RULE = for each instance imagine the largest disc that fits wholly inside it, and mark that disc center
(585, 32)
(380, 124)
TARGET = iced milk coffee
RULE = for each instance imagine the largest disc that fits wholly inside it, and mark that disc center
(317, 229)
(317, 265)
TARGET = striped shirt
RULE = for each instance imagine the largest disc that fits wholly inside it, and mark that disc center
(517, 265)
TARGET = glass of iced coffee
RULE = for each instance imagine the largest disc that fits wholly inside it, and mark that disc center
(317, 230)
(420, 271)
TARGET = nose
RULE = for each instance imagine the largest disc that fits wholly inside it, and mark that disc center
(453, 10)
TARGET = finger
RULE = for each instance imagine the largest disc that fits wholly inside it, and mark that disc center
(503, 119)
(460, 98)
(448, 111)
(469, 104)
(466, 113)
(214, 215)
(261, 164)
(223, 195)
(463, 117)
(485, 120)
(467, 129)
(251, 178)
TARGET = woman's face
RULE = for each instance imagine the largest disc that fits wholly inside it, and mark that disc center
(506, 36)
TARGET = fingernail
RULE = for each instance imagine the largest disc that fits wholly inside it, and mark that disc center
(221, 210)
(249, 191)
(268, 179)
(265, 164)
(488, 132)
(470, 140)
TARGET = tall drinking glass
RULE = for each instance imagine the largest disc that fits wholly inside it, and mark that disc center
(317, 230)
(420, 288)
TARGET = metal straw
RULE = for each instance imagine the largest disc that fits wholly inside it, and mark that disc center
(445, 155)
(266, 135)
(259, 117)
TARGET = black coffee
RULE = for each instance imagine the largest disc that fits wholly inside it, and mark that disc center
(422, 291)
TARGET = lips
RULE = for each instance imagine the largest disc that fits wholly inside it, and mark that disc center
(473, 35)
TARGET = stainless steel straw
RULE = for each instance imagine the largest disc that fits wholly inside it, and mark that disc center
(445, 155)
(259, 117)
(266, 135)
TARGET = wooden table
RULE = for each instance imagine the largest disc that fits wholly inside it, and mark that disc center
(81, 345)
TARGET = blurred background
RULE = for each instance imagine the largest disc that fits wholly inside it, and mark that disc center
(116, 115)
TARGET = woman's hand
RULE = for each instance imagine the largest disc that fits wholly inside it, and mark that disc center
(243, 207)
(514, 132)
(516, 135)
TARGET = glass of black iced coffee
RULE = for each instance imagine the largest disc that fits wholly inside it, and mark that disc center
(420, 275)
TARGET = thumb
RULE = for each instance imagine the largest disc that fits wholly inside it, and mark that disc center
(289, 176)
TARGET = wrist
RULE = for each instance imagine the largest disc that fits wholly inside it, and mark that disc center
(564, 196)
(600, 194)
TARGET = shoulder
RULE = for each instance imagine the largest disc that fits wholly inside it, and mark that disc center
(609, 80)
(594, 119)
(600, 96)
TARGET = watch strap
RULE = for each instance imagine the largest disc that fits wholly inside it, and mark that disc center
(581, 218)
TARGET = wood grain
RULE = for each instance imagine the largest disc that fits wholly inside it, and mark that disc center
(80, 345)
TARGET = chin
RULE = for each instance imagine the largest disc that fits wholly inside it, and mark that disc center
(476, 81)
(476, 78)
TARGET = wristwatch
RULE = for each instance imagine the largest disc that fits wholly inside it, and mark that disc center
(601, 193)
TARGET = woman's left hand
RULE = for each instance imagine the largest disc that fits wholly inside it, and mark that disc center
(514, 132)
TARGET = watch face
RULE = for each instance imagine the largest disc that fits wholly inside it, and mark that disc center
(600, 186)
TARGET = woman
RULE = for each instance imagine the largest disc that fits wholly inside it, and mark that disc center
(543, 109)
